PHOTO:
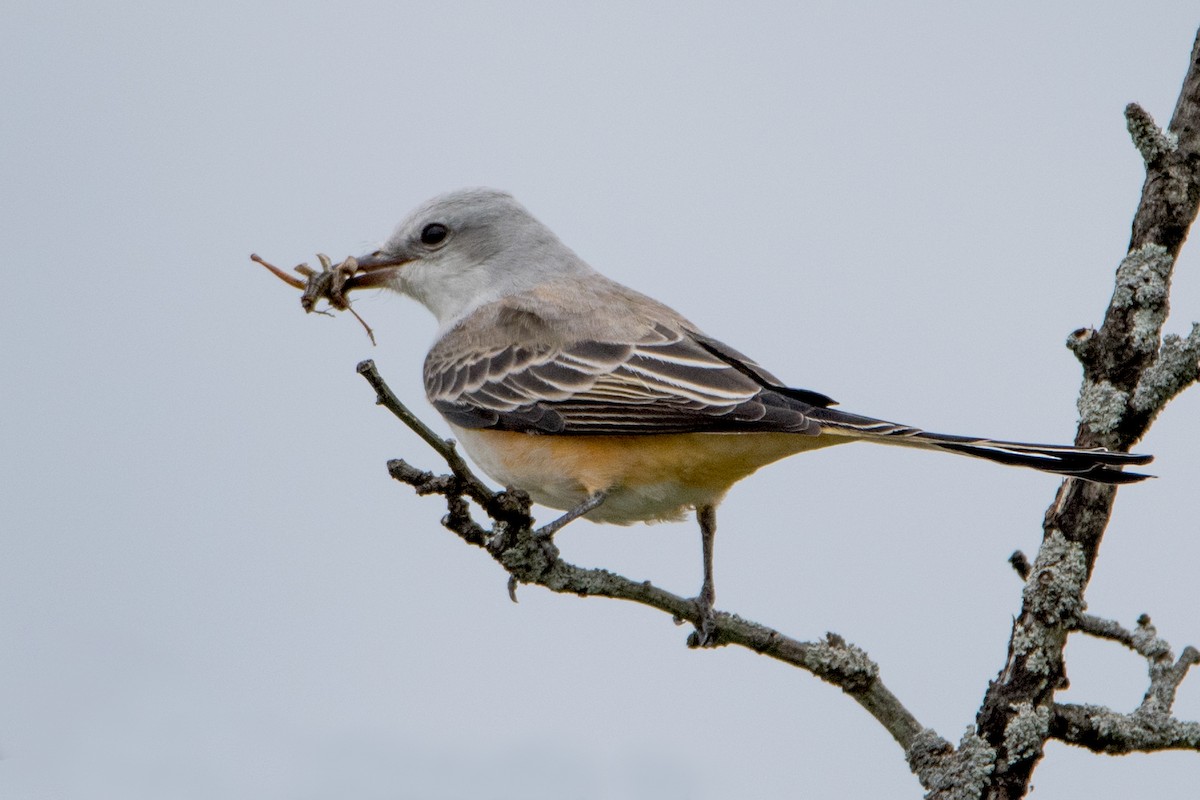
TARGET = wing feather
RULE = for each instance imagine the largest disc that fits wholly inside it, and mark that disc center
(664, 380)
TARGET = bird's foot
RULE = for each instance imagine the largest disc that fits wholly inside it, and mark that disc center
(705, 634)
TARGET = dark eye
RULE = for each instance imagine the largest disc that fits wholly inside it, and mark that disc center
(434, 233)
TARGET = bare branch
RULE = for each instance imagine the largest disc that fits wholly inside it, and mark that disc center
(473, 487)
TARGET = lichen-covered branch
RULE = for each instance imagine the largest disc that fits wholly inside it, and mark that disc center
(951, 773)
(1176, 368)
(1105, 731)
(1166, 673)
(1108, 629)
(1150, 726)
(1130, 373)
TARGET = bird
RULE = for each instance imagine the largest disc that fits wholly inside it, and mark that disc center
(600, 401)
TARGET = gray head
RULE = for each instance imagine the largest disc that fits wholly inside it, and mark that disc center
(466, 248)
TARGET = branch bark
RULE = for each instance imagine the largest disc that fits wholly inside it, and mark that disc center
(1104, 731)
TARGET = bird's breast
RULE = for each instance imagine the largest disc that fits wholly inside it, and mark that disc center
(647, 478)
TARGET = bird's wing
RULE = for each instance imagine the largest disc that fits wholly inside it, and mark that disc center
(665, 379)
(514, 372)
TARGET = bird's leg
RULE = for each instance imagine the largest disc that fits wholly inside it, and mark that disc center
(706, 622)
(295, 283)
(551, 528)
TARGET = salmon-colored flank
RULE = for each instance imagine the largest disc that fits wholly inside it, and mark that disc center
(646, 477)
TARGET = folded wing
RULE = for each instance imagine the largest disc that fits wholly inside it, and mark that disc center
(670, 379)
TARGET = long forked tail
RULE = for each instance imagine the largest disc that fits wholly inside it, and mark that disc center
(1090, 463)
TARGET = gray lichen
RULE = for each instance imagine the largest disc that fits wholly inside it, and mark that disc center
(1025, 643)
(1101, 406)
(850, 664)
(1151, 141)
(1177, 367)
(949, 773)
(1143, 283)
(1053, 592)
(1025, 732)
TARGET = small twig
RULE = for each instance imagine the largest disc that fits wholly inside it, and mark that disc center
(1165, 679)
(1147, 137)
(1020, 563)
(1106, 629)
(459, 518)
(1165, 672)
(475, 488)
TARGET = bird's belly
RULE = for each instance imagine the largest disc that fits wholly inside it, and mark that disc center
(646, 478)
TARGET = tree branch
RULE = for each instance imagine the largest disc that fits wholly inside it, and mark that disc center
(1150, 726)
(1130, 373)
(529, 558)
(1104, 731)
(471, 485)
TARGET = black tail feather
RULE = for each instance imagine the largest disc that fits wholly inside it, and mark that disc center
(1099, 465)
(1089, 463)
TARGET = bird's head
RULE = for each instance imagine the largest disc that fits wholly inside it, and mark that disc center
(463, 249)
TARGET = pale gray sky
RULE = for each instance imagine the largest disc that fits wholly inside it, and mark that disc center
(210, 588)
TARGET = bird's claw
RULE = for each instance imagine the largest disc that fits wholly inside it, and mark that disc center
(705, 634)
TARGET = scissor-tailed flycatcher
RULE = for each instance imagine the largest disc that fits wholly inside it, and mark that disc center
(580, 391)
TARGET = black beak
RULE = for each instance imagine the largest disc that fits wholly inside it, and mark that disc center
(374, 270)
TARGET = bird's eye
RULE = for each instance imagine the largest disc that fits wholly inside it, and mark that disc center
(434, 233)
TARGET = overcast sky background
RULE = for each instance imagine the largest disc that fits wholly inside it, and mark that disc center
(209, 586)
